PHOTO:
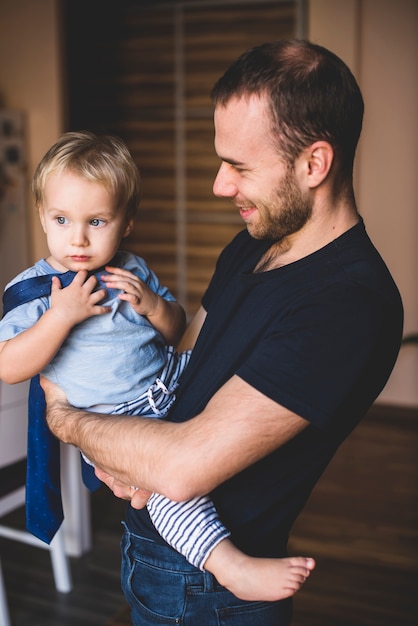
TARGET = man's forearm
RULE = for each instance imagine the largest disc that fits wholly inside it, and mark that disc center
(151, 454)
(179, 460)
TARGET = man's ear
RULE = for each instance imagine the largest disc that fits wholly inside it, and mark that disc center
(319, 159)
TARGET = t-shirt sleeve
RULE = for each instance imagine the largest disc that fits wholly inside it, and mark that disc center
(311, 362)
(22, 317)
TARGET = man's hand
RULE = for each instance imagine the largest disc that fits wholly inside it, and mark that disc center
(69, 425)
(58, 422)
(138, 497)
(55, 399)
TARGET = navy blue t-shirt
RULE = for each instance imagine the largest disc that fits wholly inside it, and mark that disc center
(319, 336)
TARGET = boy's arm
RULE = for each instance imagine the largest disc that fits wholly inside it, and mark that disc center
(169, 319)
(29, 352)
(193, 527)
(192, 332)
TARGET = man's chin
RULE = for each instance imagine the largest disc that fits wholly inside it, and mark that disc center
(254, 232)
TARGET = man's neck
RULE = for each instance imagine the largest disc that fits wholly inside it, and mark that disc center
(318, 232)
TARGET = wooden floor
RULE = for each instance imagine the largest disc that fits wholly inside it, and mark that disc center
(360, 524)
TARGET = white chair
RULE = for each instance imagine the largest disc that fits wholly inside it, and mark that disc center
(4, 612)
(13, 425)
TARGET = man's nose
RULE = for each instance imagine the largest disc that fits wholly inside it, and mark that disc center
(224, 185)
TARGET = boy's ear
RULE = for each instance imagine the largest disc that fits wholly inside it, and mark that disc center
(129, 228)
(320, 157)
(41, 218)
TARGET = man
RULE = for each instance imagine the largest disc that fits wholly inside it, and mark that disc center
(297, 335)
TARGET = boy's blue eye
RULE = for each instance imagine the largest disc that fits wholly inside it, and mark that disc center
(96, 221)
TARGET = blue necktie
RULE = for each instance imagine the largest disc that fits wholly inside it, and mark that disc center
(44, 514)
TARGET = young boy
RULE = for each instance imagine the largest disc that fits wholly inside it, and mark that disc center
(106, 337)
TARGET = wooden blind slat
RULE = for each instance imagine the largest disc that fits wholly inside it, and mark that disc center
(122, 80)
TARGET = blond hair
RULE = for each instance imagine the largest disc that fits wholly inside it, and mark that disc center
(102, 159)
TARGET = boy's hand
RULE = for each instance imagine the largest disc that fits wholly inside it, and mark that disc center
(168, 317)
(78, 301)
(141, 298)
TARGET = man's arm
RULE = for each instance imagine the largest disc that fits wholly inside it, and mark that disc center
(238, 427)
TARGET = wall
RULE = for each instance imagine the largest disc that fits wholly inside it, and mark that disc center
(378, 39)
(30, 81)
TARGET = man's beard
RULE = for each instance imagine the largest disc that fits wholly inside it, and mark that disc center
(288, 211)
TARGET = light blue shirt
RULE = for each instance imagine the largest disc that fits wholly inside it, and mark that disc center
(108, 358)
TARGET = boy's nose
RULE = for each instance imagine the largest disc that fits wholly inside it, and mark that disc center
(79, 237)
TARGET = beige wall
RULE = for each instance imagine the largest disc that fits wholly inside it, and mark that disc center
(30, 81)
(379, 41)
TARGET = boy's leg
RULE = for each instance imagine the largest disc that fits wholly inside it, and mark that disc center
(193, 528)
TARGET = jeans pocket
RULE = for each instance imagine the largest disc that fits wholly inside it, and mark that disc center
(151, 591)
(256, 614)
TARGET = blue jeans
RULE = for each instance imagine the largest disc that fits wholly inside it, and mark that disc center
(161, 587)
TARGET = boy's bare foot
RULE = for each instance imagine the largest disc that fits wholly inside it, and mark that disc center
(257, 579)
(271, 579)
